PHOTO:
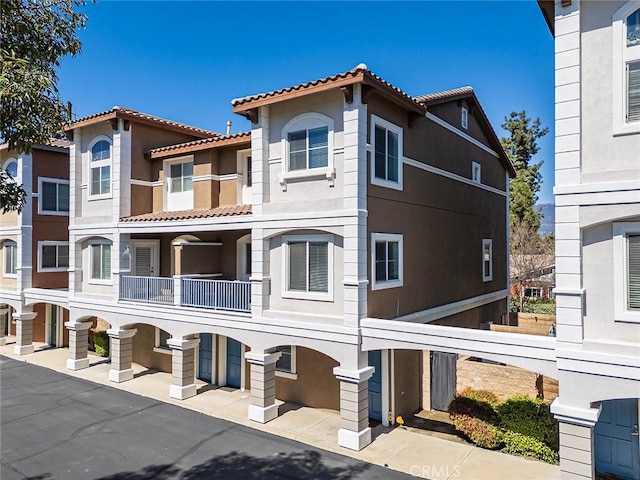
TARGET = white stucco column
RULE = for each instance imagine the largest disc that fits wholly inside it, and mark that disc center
(24, 332)
(263, 406)
(183, 367)
(121, 352)
(576, 427)
(354, 432)
(78, 345)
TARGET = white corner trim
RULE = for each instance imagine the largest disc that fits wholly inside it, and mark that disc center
(460, 133)
(452, 176)
(442, 311)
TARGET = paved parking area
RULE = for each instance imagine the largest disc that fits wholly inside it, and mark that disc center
(57, 426)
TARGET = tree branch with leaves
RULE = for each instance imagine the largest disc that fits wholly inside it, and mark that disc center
(34, 37)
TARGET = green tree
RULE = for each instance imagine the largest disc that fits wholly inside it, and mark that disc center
(521, 146)
(34, 37)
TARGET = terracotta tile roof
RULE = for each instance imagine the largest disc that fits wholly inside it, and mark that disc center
(445, 95)
(133, 115)
(200, 144)
(53, 142)
(228, 211)
(360, 73)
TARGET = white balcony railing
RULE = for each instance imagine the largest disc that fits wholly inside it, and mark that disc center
(217, 294)
(147, 289)
(214, 294)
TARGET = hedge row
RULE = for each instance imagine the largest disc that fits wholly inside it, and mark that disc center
(521, 425)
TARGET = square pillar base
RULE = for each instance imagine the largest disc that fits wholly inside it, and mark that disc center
(263, 414)
(182, 393)
(23, 349)
(354, 440)
(3, 341)
(119, 376)
(77, 364)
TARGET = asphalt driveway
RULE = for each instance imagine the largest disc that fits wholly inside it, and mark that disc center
(56, 426)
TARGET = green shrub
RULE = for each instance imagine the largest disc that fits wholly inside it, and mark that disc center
(530, 417)
(526, 446)
(480, 404)
(101, 343)
(541, 306)
(482, 433)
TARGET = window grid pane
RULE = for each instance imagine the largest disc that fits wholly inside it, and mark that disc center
(633, 92)
(393, 256)
(100, 151)
(380, 153)
(49, 196)
(95, 181)
(318, 267)
(392, 156)
(298, 266)
(187, 177)
(284, 363)
(49, 254)
(297, 150)
(381, 261)
(633, 273)
(63, 256)
(63, 197)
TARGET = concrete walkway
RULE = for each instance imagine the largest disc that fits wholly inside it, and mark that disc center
(397, 448)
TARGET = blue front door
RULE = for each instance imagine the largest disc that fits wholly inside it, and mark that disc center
(375, 386)
(234, 362)
(205, 358)
(616, 439)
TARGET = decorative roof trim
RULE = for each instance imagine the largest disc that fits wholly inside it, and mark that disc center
(199, 145)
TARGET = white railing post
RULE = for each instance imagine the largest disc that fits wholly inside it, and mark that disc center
(177, 290)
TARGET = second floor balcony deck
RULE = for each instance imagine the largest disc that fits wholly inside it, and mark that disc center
(230, 295)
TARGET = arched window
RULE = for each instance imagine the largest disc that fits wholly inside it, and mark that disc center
(101, 168)
(11, 167)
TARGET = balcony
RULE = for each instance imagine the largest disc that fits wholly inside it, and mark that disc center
(229, 295)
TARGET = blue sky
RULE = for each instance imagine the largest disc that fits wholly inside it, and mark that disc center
(187, 60)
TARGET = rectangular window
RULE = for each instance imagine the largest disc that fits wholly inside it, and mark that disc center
(160, 345)
(476, 172)
(633, 273)
(181, 177)
(532, 292)
(53, 196)
(308, 148)
(100, 261)
(308, 266)
(633, 92)
(386, 154)
(308, 263)
(54, 256)
(464, 120)
(386, 260)
(10, 259)
(487, 260)
(101, 180)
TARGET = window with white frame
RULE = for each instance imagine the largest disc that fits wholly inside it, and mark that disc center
(100, 261)
(10, 259)
(100, 169)
(179, 175)
(532, 292)
(53, 256)
(626, 59)
(386, 260)
(11, 167)
(476, 172)
(626, 268)
(307, 147)
(53, 196)
(464, 120)
(160, 345)
(309, 267)
(487, 260)
(286, 364)
(386, 139)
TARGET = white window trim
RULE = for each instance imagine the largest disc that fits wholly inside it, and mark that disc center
(293, 374)
(475, 166)
(100, 163)
(44, 243)
(622, 55)
(485, 242)
(621, 233)
(18, 177)
(320, 296)
(375, 120)
(156, 343)
(166, 169)
(99, 281)
(244, 190)
(387, 237)
(60, 181)
(306, 121)
(5, 244)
